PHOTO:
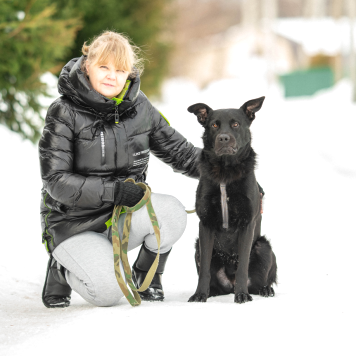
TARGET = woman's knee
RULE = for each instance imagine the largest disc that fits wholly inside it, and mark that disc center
(168, 206)
(107, 296)
(178, 222)
(101, 290)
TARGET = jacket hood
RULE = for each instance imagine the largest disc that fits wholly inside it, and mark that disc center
(74, 84)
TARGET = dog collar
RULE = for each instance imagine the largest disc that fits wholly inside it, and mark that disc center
(224, 208)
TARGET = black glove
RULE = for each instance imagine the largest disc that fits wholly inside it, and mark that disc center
(128, 194)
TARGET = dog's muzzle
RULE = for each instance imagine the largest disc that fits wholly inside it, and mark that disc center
(225, 144)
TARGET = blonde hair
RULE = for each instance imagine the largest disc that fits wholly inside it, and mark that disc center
(109, 43)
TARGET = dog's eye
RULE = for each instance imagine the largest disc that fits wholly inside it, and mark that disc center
(215, 126)
(236, 124)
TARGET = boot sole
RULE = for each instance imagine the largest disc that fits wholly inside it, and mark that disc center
(61, 305)
(148, 299)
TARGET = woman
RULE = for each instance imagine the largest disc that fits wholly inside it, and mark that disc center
(100, 132)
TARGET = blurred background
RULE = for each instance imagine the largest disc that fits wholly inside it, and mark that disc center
(304, 45)
(300, 54)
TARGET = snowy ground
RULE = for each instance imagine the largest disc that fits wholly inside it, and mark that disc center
(307, 168)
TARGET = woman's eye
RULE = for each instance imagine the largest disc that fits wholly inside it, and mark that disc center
(215, 126)
(236, 124)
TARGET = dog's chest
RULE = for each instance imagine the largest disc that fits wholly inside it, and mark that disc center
(210, 211)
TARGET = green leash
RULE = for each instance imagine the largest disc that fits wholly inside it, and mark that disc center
(120, 246)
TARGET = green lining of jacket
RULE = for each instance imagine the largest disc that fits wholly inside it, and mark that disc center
(164, 118)
(119, 98)
(109, 222)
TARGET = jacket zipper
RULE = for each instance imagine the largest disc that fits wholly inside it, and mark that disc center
(102, 139)
(117, 116)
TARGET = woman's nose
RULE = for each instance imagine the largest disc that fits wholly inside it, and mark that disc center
(111, 75)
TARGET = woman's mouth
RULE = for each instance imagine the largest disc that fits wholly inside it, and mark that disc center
(108, 85)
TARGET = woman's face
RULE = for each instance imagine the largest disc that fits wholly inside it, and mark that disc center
(106, 79)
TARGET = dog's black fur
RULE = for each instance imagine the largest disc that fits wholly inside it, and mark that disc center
(237, 259)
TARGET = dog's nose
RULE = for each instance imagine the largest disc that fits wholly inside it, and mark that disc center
(224, 138)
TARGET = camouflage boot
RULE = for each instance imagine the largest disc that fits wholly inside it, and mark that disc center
(139, 271)
(56, 291)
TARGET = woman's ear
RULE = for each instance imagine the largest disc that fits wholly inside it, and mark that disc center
(87, 66)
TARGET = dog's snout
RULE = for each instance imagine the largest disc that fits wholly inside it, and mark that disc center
(224, 138)
(225, 144)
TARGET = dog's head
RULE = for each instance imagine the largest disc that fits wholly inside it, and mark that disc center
(226, 130)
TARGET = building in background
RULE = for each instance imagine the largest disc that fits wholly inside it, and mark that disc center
(309, 45)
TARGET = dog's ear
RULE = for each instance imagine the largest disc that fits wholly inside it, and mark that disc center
(201, 111)
(252, 106)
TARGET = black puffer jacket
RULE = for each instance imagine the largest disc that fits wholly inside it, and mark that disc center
(88, 142)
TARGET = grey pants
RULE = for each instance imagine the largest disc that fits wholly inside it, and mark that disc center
(88, 256)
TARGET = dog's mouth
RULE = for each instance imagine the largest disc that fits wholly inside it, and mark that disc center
(226, 150)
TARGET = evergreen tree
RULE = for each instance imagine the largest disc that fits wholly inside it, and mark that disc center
(32, 41)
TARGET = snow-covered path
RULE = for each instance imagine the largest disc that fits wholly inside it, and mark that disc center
(307, 168)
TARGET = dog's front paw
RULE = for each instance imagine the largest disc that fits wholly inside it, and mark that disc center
(266, 292)
(242, 298)
(198, 297)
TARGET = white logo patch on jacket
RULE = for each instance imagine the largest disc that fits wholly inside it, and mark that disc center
(141, 158)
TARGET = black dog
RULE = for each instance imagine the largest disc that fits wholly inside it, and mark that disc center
(231, 255)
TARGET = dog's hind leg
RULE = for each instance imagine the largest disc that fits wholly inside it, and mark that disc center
(262, 268)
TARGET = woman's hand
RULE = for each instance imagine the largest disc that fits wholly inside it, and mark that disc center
(127, 193)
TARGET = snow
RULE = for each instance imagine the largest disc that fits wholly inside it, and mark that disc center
(307, 168)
